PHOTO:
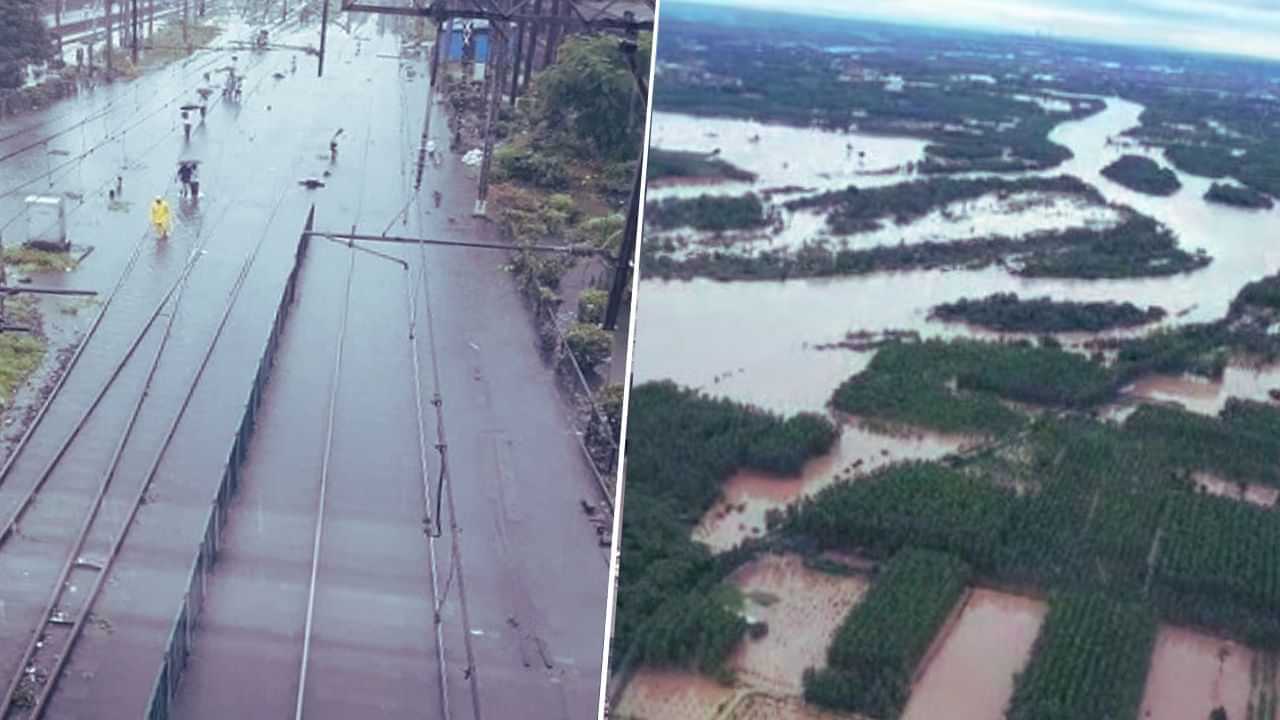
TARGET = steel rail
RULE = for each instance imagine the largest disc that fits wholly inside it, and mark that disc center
(34, 646)
(442, 446)
(569, 249)
(434, 525)
(324, 483)
(47, 470)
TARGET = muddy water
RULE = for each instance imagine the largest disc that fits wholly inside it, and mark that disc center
(748, 496)
(1191, 674)
(782, 156)
(1209, 396)
(1260, 495)
(671, 695)
(763, 332)
(983, 649)
(802, 607)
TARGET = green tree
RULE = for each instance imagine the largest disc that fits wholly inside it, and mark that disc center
(590, 89)
(589, 344)
(23, 39)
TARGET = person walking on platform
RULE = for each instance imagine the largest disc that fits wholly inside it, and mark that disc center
(160, 217)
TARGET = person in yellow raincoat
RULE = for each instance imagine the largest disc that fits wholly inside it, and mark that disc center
(160, 217)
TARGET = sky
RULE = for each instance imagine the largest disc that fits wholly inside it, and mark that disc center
(1238, 27)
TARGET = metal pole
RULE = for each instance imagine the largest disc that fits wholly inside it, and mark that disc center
(497, 49)
(107, 16)
(515, 64)
(622, 272)
(533, 48)
(186, 41)
(426, 124)
(553, 34)
(324, 26)
(135, 32)
(151, 17)
(57, 23)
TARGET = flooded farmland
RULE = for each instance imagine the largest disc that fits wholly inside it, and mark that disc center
(1192, 674)
(970, 675)
(771, 361)
(749, 495)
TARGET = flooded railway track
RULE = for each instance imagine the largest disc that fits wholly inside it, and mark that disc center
(117, 495)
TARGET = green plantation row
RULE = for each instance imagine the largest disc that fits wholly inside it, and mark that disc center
(1137, 247)
(707, 212)
(671, 608)
(855, 210)
(1006, 312)
(871, 659)
(668, 164)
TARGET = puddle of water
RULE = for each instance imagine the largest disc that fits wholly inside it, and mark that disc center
(1191, 674)
(671, 695)
(971, 675)
(1260, 495)
(771, 361)
(748, 496)
(803, 609)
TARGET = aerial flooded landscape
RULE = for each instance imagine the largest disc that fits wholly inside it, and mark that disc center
(957, 379)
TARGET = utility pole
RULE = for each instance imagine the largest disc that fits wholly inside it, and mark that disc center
(151, 17)
(136, 27)
(284, 10)
(431, 96)
(324, 27)
(553, 32)
(497, 48)
(515, 65)
(622, 271)
(57, 25)
(107, 16)
(533, 48)
(186, 37)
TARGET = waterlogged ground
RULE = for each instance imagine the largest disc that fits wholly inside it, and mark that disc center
(803, 608)
(782, 156)
(748, 495)
(754, 341)
(1191, 674)
(971, 671)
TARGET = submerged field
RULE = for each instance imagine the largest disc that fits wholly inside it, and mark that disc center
(1022, 342)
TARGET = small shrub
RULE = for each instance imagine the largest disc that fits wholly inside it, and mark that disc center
(591, 306)
(589, 344)
(531, 166)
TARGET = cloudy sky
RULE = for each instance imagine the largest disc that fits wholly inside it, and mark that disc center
(1249, 27)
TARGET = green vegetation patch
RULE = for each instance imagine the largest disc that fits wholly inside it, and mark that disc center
(1239, 446)
(665, 164)
(874, 654)
(707, 212)
(1137, 247)
(954, 386)
(1142, 174)
(671, 610)
(1237, 196)
(1090, 660)
(1009, 313)
(1218, 567)
(855, 210)
(31, 259)
(922, 504)
(20, 355)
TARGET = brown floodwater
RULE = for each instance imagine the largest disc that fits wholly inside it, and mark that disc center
(754, 341)
(802, 608)
(1260, 495)
(748, 495)
(1206, 396)
(970, 674)
(1191, 674)
(671, 695)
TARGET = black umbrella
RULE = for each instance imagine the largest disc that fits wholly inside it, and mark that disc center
(189, 107)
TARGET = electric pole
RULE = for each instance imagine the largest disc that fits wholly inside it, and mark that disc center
(186, 38)
(324, 27)
(136, 27)
(107, 16)
(57, 24)
(497, 49)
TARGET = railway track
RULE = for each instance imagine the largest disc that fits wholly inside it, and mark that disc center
(89, 554)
